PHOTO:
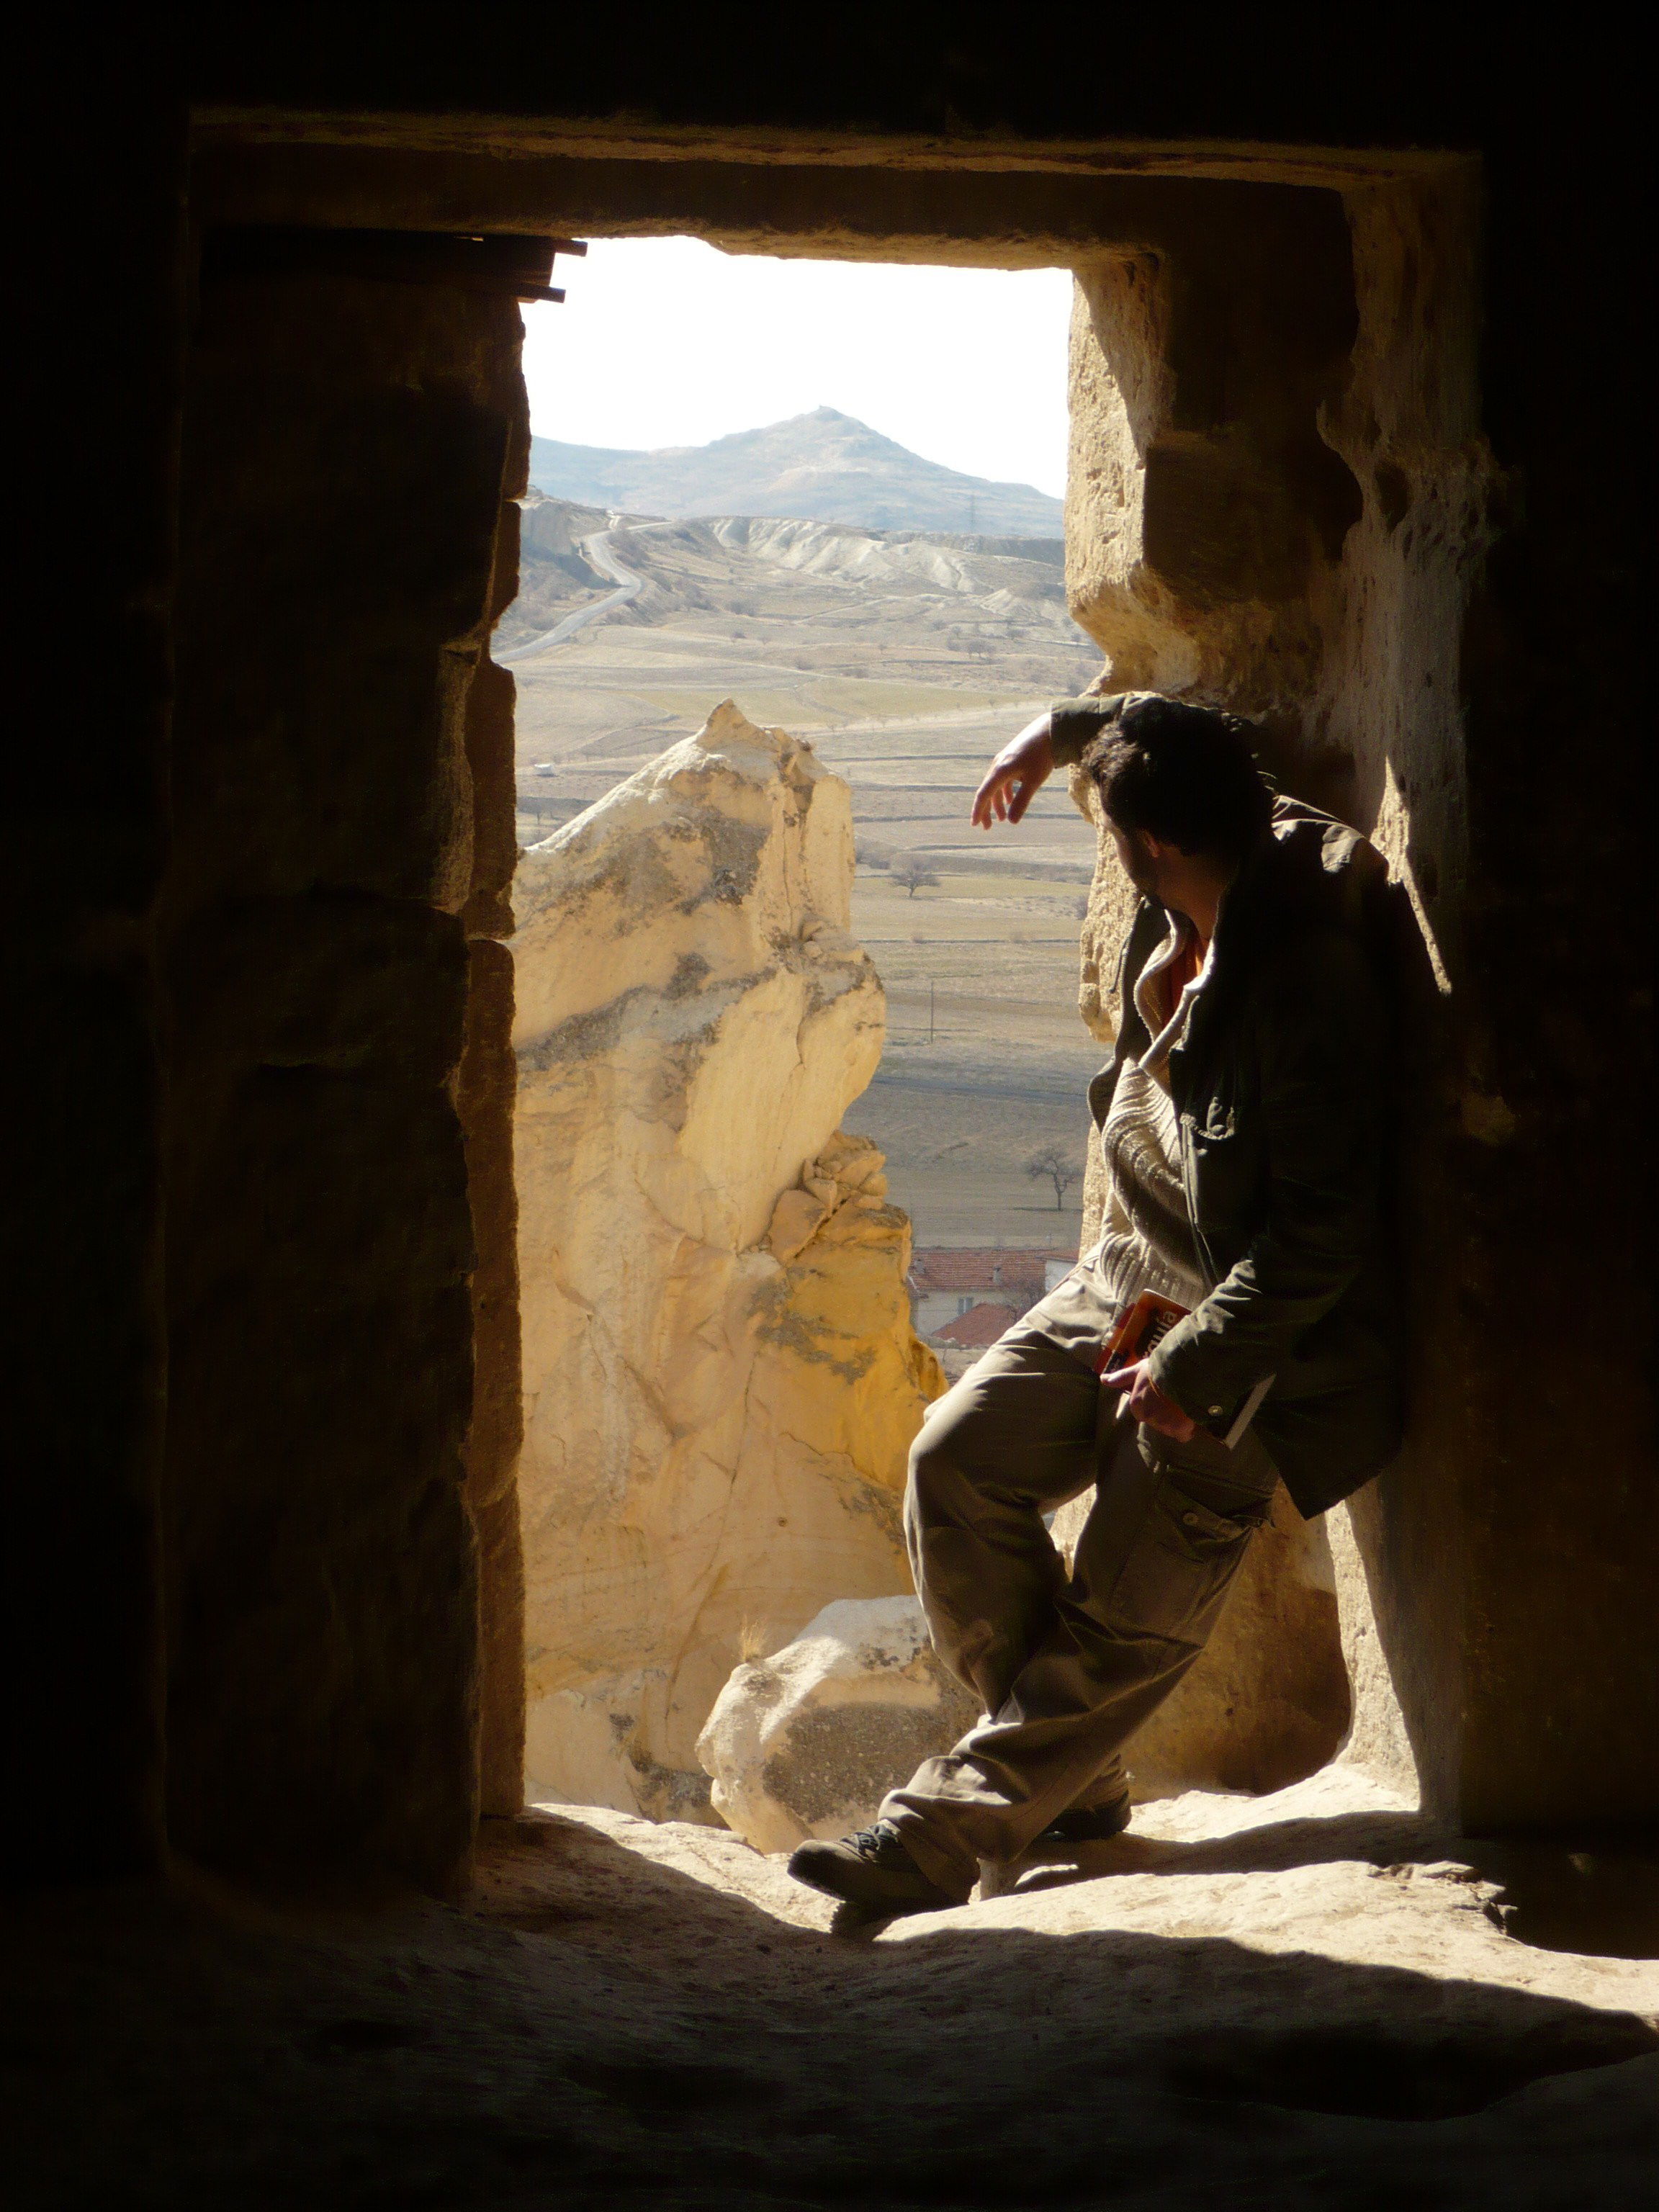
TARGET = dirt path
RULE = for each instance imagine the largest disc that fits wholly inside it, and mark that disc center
(600, 554)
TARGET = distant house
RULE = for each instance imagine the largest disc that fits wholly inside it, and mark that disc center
(948, 1282)
(973, 1330)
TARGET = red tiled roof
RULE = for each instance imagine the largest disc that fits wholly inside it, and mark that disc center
(980, 1325)
(950, 1268)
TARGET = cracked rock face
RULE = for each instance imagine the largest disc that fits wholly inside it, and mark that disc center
(808, 1741)
(721, 1381)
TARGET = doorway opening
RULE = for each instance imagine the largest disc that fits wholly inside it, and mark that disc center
(1250, 450)
(898, 613)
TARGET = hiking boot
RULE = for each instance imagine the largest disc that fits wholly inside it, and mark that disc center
(872, 1871)
(1088, 1824)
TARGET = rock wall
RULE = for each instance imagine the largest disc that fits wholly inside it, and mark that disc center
(1276, 503)
(86, 810)
(1352, 605)
(721, 1381)
(340, 1213)
(1205, 513)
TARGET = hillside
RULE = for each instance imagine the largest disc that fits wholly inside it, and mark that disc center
(905, 658)
(823, 467)
(815, 625)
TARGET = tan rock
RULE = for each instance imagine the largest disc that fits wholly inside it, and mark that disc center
(1378, 1742)
(721, 1381)
(1340, 1871)
(1225, 1932)
(808, 1741)
(1122, 393)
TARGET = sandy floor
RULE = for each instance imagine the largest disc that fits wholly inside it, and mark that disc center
(1292, 2002)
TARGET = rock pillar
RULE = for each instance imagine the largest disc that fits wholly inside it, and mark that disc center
(721, 1381)
(1296, 514)
(339, 1202)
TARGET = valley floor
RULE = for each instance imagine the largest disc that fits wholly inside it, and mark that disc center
(905, 682)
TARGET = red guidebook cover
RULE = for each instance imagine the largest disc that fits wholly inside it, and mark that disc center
(1140, 1328)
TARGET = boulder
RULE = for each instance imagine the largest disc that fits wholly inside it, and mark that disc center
(808, 1741)
(721, 1381)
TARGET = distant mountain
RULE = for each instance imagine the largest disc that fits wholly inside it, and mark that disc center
(821, 467)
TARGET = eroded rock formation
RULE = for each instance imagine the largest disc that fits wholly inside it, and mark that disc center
(721, 1381)
(808, 1741)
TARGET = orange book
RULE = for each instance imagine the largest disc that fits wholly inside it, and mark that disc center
(1144, 1326)
(1140, 1328)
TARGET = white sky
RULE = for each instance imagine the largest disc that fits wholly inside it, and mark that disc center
(666, 342)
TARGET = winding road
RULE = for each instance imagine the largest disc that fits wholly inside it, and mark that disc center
(598, 554)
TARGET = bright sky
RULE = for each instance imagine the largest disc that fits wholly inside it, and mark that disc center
(666, 342)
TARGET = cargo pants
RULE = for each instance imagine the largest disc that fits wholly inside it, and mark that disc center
(1066, 1670)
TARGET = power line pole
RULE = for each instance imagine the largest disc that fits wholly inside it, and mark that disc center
(930, 1010)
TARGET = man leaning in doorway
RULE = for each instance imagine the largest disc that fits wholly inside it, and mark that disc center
(1241, 1125)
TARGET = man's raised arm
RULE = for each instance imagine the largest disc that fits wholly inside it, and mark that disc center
(1056, 740)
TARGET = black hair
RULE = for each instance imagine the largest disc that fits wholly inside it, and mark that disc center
(1185, 774)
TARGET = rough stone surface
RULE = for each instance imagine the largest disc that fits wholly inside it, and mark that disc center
(1204, 511)
(808, 1741)
(1517, 1554)
(1213, 551)
(483, 1097)
(1378, 1741)
(484, 1086)
(721, 1381)
(339, 1197)
(87, 829)
(1302, 1999)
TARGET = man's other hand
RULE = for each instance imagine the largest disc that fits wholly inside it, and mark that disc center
(1148, 1404)
(1015, 776)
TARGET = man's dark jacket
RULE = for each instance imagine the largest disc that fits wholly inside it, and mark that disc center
(1282, 1083)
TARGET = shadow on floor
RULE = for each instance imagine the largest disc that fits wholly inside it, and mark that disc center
(1378, 1839)
(598, 2029)
(1598, 1901)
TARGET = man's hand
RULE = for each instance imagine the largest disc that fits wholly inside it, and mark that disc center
(1147, 1403)
(1015, 776)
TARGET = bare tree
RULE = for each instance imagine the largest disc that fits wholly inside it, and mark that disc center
(1054, 1165)
(914, 875)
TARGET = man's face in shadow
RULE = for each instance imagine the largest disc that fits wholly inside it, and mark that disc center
(1140, 856)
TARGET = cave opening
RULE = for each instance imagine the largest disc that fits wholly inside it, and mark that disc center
(1244, 379)
(892, 619)
(271, 1196)
(1225, 378)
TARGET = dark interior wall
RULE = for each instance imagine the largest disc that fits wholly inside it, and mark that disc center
(84, 796)
(348, 446)
(1563, 1683)
(485, 1082)
(1555, 711)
